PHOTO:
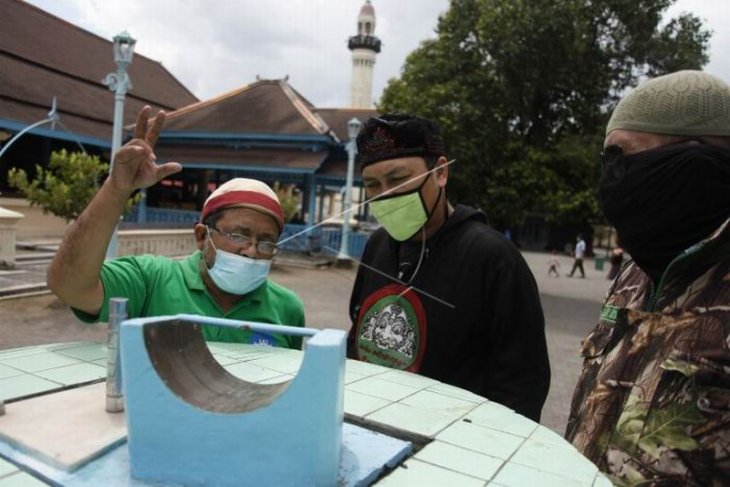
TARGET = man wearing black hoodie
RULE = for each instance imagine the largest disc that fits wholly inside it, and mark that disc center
(438, 292)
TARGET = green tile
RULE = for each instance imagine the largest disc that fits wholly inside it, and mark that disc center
(602, 481)
(74, 374)
(251, 373)
(374, 386)
(20, 479)
(351, 377)
(6, 468)
(456, 392)
(426, 422)
(432, 400)
(460, 460)
(66, 345)
(88, 353)
(515, 475)
(276, 380)
(408, 379)
(414, 473)
(225, 359)
(546, 435)
(360, 404)
(101, 361)
(364, 368)
(229, 347)
(496, 416)
(21, 352)
(284, 363)
(40, 361)
(480, 439)
(561, 460)
(6, 372)
(24, 385)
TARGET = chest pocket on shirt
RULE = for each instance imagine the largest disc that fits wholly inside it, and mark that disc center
(610, 329)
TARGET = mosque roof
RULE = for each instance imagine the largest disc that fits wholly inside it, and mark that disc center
(263, 107)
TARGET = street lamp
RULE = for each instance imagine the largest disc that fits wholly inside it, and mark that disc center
(353, 128)
(119, 83)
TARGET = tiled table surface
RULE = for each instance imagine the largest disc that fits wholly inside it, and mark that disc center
(474, 441)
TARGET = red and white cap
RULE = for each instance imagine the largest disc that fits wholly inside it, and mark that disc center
(244, 193)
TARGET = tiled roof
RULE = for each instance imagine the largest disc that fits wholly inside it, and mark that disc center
(42, 56)
(263, 107)
(337, 118)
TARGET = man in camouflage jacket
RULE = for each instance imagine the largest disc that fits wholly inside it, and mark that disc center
(652, 405)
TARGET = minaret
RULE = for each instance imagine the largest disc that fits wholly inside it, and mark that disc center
(364, 46)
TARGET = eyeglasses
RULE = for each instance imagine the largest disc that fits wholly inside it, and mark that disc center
(612, 158)
(262, 247)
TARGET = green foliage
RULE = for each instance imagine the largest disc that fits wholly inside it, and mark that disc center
(523, 88)
(289, 202)
(67, 186)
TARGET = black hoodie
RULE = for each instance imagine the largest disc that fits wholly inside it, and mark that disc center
(470, 316)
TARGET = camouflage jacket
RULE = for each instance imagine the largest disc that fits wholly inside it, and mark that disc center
(652, 405)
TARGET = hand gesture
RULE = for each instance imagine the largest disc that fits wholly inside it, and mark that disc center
(135, 165)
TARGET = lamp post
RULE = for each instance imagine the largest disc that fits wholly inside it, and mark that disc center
(343, 258)
(119, 83)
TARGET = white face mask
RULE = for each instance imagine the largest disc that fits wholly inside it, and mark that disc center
(237, 274)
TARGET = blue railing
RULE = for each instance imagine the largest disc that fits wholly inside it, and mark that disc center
(319, 240)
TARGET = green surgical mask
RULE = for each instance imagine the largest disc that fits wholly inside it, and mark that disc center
(402, 214)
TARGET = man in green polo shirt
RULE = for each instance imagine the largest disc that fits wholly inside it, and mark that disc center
(227, 278)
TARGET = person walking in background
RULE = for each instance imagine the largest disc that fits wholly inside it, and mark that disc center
(553, 264)
(578, 254)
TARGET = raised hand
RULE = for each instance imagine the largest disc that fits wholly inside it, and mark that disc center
(135, 165)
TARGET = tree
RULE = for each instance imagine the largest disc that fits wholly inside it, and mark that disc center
(67, 186)
(288, 201)
(522, 89)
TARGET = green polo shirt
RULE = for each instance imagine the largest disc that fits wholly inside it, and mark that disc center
(160, 286)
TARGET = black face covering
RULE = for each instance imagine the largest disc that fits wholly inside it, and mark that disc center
(662, 201)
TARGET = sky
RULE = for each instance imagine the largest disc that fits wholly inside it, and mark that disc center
(213, 47)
